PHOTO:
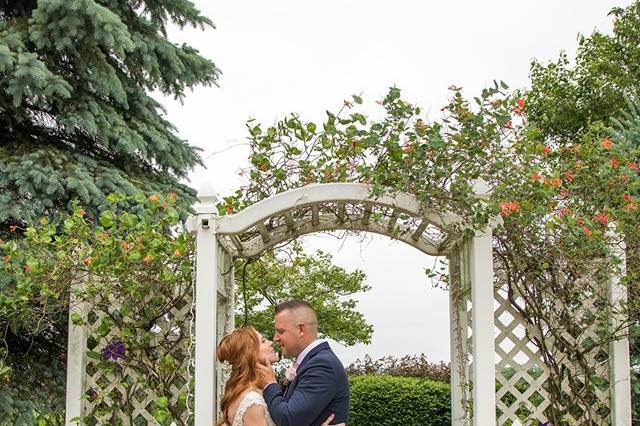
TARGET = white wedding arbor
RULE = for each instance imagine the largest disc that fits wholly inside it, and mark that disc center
(487, 336)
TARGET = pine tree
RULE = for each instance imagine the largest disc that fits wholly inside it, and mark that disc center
(75, 110)
(77, 121)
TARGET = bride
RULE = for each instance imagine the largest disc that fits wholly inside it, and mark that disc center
(242, 402)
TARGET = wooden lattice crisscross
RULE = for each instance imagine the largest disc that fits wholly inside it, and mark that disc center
(104, 385)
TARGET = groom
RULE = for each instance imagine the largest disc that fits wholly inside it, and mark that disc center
(319, 385)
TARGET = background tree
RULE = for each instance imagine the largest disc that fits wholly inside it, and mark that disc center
(567, 99)
(78, 122)
(282, 275)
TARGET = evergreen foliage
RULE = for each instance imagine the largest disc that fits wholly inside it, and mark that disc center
(78, 120)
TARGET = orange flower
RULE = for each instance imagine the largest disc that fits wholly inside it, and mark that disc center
(81, 212)
(627, 197)
(509, 207)
(631, 206)
(177, 253)
(568, 176)
(606, 143)
(614, 162)
(172, 196)
(88, 261)
(521, 103)
(586, 231)
(154, 198)
(229, 210)
(554, 182)
(147, 259)
(633, 166)
(125, 245)
(546, 150)
(508, 125)
(602, 218)
(536, 176)
(26, 269)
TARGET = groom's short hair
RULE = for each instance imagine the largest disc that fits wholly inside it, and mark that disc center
(293, 304)
(302, 312)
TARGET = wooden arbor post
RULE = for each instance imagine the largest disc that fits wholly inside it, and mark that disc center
(206, 303)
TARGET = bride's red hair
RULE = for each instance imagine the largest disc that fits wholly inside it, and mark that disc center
(240, 349)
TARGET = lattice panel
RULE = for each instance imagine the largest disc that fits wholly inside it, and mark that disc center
(522, 376)
(105, 388)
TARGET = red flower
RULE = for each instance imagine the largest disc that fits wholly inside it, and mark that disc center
(602, 218)
(521, 103)
(614, 162)
(631, 206)
(627, 197)
(564, 211)
(568, 176)
(508, 125)
(633, 166)
(606, 143)
(564, 193)
(536, 176)
(546, 150)
(586, 231)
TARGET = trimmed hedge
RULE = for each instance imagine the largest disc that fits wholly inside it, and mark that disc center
(402, 401)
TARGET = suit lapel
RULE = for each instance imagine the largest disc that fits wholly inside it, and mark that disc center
(311, 354)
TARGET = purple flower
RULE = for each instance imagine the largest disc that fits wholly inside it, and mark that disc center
(114, 350)
(543, 424)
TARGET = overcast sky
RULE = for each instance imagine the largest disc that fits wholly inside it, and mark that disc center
(279, 57)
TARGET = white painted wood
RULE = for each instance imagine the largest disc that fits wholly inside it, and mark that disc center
(619, 358)
(207, 276)
(76, 360)
(327, 222)
(482, 323)
(457, 338)
(328, 192)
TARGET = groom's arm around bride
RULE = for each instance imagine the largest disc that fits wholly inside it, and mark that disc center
(319, 385)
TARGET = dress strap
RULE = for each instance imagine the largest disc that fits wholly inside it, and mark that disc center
(250, 399)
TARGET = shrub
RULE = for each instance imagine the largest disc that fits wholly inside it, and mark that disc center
(407, 366)
(406, 401)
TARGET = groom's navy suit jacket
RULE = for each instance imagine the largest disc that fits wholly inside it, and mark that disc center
(319, 389)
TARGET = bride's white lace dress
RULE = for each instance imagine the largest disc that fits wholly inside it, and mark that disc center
(250, 399)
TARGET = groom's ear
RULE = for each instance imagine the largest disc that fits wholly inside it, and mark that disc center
(302, 328)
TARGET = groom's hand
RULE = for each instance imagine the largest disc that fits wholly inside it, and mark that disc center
(267, 374)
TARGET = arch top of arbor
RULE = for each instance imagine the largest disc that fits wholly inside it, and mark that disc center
(329, 193)
(327, 207)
